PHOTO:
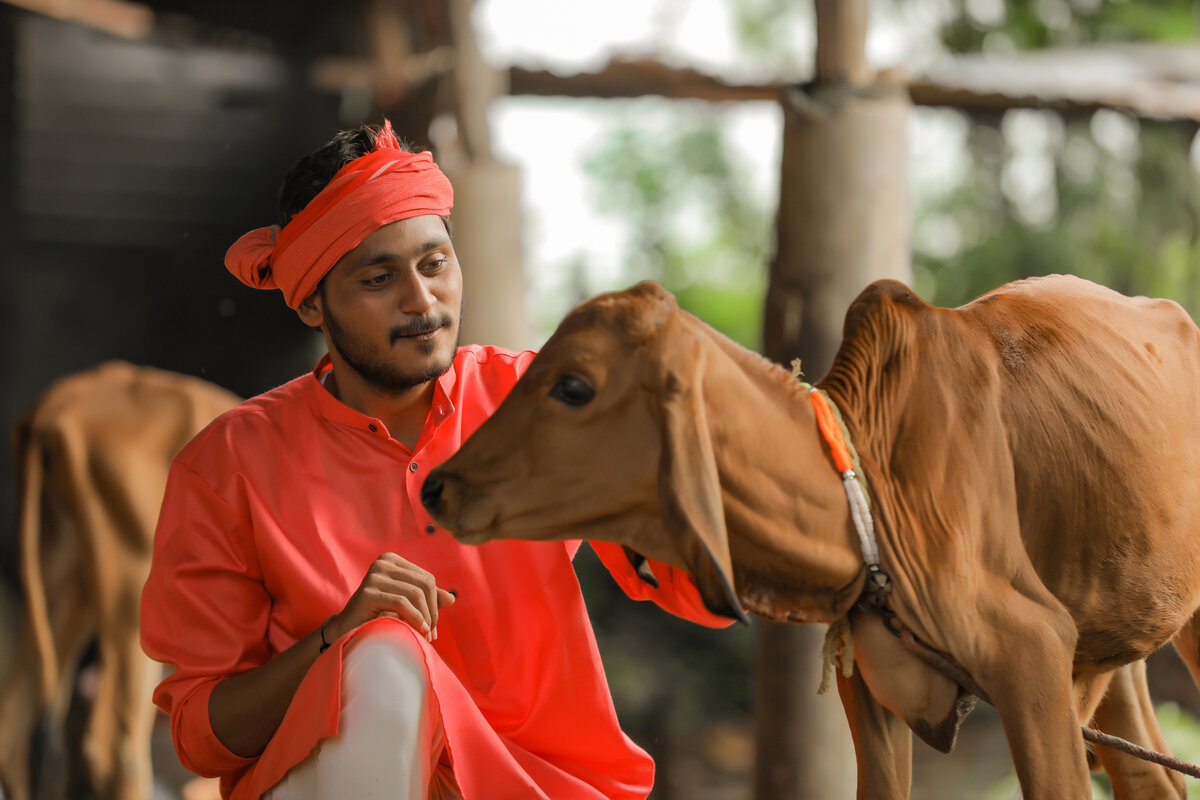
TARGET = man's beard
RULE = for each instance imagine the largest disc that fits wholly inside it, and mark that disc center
(380, 373)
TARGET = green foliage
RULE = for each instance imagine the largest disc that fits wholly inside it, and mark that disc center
(1133, 225)
(695, 229)
(1170, 21)
(1122, 196)
(764, 32)
(1034, 24)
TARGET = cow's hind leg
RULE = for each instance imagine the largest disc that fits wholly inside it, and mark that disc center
(33, 746)
(117, 742)
(1126, 711)
(882, 743)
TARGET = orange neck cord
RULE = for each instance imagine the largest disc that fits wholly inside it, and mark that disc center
(837, 438)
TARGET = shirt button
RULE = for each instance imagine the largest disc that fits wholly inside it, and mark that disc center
(412, 467)
(430, 530)
(372, 429)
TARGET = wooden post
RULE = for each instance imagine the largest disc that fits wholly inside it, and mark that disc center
(842, 43)
(842, 223)
(487, 200)
(487, 241)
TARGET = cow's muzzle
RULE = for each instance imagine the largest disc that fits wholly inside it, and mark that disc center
(431, 493)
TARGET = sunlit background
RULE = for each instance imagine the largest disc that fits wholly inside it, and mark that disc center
(141, 138)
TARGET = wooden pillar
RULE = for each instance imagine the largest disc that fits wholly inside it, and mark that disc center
(487, 214)
(487, 240)
(843, 219)
(842, 222)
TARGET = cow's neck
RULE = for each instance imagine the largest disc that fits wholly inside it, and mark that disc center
(794, 549)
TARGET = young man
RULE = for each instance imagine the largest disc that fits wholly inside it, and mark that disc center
(326, 638)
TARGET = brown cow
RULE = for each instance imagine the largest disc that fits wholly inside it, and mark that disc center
(1033, 465)
(93, 455)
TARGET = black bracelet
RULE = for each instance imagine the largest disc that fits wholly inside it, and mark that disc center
(324, 644)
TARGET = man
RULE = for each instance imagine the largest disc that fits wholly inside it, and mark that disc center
(327, 639)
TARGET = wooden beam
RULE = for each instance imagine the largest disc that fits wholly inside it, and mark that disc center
(620, 79)
(476, 84)
(336, 74)
(637, 79)
(118, 17)
(981, 103)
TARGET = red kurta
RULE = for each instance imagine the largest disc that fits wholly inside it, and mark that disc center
(272, 516)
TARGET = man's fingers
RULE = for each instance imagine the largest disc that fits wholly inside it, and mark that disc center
(446, 597)
(394, 575)
(417, 594)
(413, 616)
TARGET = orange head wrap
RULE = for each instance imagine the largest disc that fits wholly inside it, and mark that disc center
(383, 186)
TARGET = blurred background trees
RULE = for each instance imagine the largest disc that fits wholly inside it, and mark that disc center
(1106, 196)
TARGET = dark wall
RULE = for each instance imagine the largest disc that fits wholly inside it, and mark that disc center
(127, 169)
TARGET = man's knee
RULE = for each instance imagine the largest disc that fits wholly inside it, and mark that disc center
(384, 671)
(390, 732)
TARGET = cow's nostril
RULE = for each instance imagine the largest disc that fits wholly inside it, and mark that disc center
(431, 492)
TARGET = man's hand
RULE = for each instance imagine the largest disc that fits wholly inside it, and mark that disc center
(246, 709)
(393, 587)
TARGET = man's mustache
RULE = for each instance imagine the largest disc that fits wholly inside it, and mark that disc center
(420, 326)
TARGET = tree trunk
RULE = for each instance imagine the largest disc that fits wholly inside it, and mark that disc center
(842, 223)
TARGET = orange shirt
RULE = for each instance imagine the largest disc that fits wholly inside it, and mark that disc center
(271, 517)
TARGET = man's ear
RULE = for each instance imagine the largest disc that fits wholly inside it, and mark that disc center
(312, 310)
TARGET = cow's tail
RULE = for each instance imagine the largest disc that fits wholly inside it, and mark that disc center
(48, 758)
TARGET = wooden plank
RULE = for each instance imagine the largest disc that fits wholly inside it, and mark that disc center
(638, 79)
(1162, 99)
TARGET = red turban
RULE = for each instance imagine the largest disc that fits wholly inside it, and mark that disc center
(383, 186)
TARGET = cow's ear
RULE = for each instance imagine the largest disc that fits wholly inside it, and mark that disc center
(689, 490)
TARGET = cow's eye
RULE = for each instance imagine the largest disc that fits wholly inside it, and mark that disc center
(572, 390)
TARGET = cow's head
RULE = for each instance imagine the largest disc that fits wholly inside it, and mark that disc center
(604, 438)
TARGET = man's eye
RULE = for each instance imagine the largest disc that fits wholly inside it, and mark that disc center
(572, 390)
(377, 280)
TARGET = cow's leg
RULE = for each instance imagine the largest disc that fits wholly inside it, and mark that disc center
(1127, 711)
(22, 714)
(71, 624)
(119, 525)
(18, 713)
(882, 743)
(1021, 654)
(122, 717)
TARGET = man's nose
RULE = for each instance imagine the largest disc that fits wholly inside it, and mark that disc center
(418, 296)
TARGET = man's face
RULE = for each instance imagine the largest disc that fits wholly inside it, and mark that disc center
(392, 307)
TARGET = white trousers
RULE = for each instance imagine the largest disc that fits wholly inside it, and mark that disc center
(390, 743)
